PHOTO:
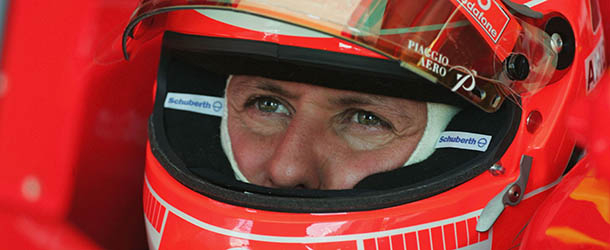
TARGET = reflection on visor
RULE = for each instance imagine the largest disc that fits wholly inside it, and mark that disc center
(477, 50)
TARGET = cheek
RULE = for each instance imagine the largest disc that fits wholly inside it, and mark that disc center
(366, 143)
(251, 150)
(361, 164)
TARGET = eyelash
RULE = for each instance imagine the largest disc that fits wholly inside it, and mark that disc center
(346, 116)
(254, 100)
(351, 114)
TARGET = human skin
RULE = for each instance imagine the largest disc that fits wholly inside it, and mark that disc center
(294, 135)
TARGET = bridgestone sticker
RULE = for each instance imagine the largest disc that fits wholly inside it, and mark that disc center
(202, 104)
(464, 140)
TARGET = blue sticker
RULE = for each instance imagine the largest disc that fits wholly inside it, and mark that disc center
(463, 140)
(202, 104)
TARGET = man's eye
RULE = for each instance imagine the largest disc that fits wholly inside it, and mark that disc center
(367, 119)
(270, 105)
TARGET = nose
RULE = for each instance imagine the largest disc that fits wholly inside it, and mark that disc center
(295, 162)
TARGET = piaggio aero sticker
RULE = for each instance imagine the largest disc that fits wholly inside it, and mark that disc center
(595, 64)
(462, 78)
(431, 60)
(437, 63)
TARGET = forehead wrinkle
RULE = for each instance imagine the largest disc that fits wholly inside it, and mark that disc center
(274, 88)
(243, 83)
(351, 100)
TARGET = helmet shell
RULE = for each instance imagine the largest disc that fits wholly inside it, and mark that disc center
(179, 217)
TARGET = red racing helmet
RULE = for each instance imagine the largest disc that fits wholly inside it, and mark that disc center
(512, 69)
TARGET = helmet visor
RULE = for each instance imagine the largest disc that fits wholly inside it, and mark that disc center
(477, 50)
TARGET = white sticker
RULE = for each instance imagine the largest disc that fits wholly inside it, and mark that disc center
(595, 65)
(463, 78)
(463, 140)
(491, 17)
(202, 104)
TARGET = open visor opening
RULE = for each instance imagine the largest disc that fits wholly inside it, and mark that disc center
(187, 143)
(481, 52)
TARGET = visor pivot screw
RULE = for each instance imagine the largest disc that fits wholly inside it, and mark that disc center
(514, 193)
(534, 119)
(496, 170)
(556, 42)
(517, 67)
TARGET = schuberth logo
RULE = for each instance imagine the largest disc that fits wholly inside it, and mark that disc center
(464, 140)
(491, 17)
(209, 105)
(217, 106)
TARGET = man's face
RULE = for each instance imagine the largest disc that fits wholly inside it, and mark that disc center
(295, 135)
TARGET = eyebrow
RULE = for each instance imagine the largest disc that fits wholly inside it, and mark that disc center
(274, 88)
